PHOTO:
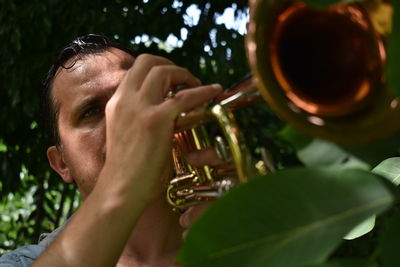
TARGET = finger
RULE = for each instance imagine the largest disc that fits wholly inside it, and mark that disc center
(189, 99)
(203, 157)
(139, 71)
(192, 214)
(161, 79)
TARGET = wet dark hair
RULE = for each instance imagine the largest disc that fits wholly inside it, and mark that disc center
(80, 47)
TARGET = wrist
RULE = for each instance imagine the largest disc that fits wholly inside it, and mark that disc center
(122, 189)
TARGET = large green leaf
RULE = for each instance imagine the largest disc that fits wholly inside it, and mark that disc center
(290, 218)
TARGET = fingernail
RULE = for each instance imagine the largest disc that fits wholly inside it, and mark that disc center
(217, 86)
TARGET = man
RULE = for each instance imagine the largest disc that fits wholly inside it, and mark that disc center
(111, 126)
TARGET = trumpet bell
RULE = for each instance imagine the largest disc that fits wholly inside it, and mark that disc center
(323, 70)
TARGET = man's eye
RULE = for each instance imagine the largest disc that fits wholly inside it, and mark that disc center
(92, 112)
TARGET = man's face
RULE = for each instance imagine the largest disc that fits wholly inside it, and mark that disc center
(81, 94)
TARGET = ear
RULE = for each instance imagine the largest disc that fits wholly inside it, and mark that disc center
(57, 163)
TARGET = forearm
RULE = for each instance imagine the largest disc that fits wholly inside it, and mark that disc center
(97, 233)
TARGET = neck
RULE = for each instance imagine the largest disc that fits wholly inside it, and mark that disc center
(156, 237)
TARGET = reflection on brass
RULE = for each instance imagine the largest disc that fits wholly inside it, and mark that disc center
(193, 185)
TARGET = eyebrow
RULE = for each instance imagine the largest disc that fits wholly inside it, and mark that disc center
(93, 99)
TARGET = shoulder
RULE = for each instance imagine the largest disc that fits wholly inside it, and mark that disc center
(26, 255)
(21, 257)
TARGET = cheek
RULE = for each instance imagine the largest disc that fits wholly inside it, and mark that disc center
(84, 152)
(88, 141)
(93, 141)
(92, 148)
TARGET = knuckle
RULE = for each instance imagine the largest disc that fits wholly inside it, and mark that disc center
(158, 70)
(144, 57)
(119, 105)
(153, 60)
(182, 97)
(113, 107)
(184, 70)
(110, 106)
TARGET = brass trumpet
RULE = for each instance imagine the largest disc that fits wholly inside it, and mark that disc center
(322, 71)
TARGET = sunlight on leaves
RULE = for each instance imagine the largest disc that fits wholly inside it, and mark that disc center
(3, 147)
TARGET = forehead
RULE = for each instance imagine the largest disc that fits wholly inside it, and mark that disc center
(89, 75)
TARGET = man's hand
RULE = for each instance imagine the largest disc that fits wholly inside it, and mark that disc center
(140, 121)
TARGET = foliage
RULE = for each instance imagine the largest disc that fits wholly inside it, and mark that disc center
(302, 214)
(283, 212)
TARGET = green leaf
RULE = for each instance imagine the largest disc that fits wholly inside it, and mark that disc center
(316, 152)
(324, 153)
(390, 169)
(393, 66)
(321, 153)
(361, 229)
(289, 218)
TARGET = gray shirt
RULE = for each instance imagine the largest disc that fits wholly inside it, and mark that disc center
(26, 255)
